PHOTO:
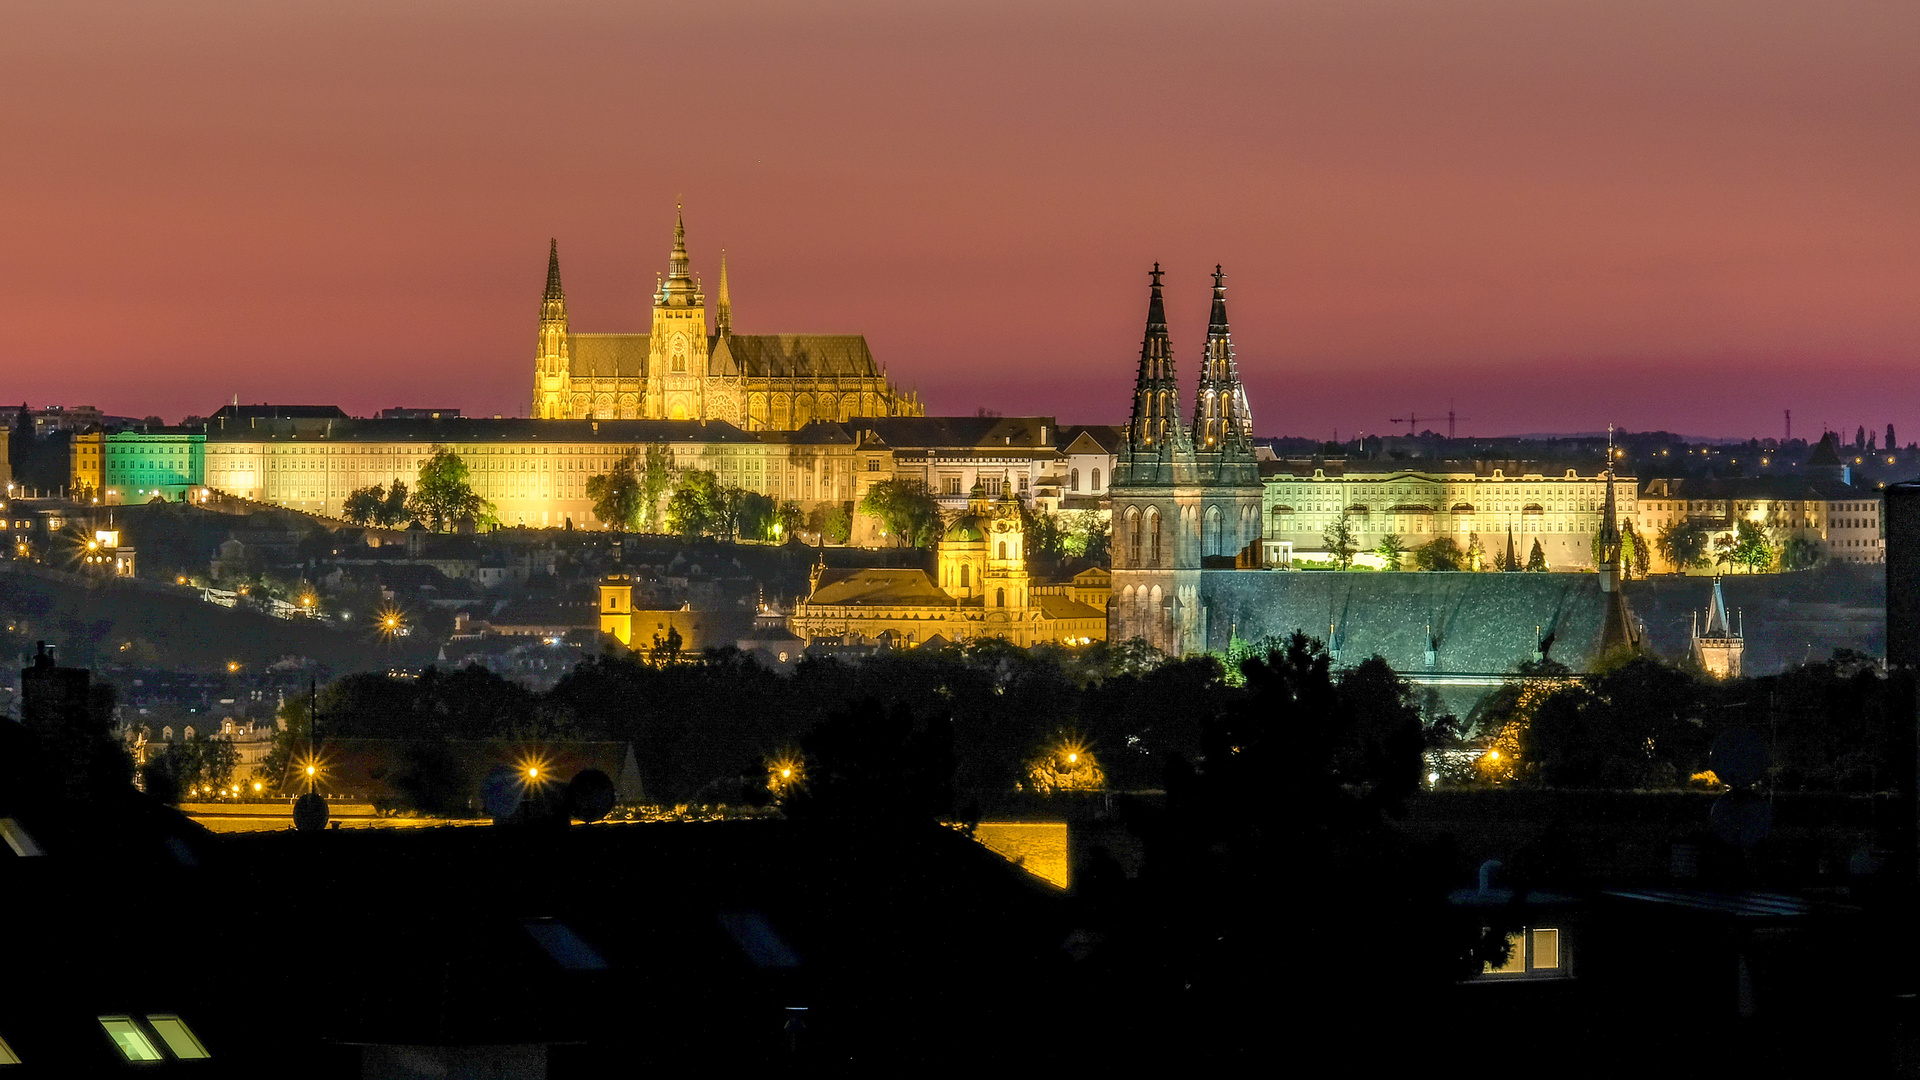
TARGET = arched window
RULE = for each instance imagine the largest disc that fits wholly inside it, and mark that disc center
(1096, 482)
(1215, 532)
(1133, 548)
(1073, 480)
(1153, 529)
(1003, 549)
(965, 575)
(999, 598)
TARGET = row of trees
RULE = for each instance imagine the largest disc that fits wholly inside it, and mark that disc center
(722, 716)
(1440, 553)
(1686, 545)
(1643, 723)
(441, 498)
(629, 498)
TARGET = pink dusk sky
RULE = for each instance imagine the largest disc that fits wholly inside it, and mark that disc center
(1553, 215)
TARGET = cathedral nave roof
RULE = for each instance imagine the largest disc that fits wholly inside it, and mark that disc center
(760, 356)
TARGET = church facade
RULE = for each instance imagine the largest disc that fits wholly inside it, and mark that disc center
(679, 370)
(1185, 495)
(981, 588)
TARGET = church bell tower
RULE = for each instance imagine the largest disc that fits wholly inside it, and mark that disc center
(552, 368)
(1223, 443)
(677, 349)
(1156, 505)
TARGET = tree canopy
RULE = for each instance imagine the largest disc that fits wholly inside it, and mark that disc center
(619, 494)
(1341, 543)
(1391, 550)
(1684, 545)
(442, 497)
(1439, 553)
(375, 505)
(696, 507)
(906, 510)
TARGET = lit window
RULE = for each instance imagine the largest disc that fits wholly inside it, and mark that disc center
(1516, 957)
(178, 1036)
(1546, 949)
(132, 1043)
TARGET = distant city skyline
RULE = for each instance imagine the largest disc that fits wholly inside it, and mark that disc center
(1686, 218)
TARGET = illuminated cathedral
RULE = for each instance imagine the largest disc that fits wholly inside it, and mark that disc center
(681, 370)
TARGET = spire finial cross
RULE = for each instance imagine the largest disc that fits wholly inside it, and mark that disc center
(1155, 274)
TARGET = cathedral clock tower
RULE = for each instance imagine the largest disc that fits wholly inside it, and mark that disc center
(677, 349)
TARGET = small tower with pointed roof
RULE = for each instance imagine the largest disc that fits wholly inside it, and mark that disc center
(1717, 643)
(1156, 438)
(1007, 581)
(1220, 412)
(723, 306)
(1618, 630)
(677, 349)
(553, 369)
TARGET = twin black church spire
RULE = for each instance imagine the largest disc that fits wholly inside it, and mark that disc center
(1222, 424)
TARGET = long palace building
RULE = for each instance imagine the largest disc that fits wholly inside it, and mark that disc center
(533, 471)
(682, 370)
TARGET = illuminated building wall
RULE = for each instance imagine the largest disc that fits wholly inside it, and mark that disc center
(534, 472)
(138, 466)
(87, 477)
(1301, 501)
(1840, 522)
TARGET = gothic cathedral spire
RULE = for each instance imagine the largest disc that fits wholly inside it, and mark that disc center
(553, 368)
(723, 309)
(1220, 412)
(678, 290)
(1156, 427)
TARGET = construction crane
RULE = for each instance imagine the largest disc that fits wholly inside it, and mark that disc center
(1412, 420)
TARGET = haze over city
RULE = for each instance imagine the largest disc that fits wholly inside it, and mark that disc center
(1552, 216)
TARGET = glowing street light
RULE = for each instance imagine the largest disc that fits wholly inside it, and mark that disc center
(784, 772)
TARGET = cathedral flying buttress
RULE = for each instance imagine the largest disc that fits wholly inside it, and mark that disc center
(679, 370)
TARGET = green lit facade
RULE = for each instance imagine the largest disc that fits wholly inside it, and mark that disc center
(142, 464)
